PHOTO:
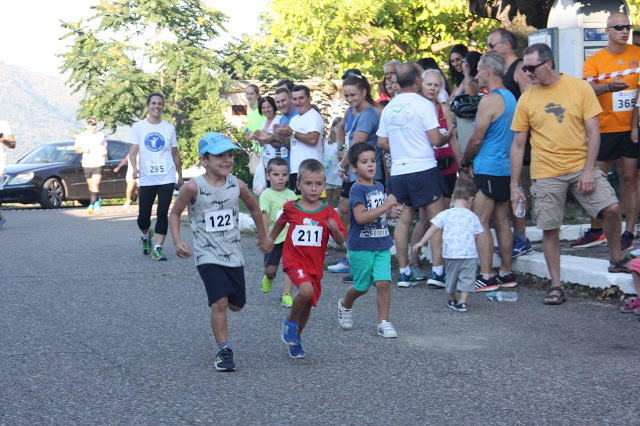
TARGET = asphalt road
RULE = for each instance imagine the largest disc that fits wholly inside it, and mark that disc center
(93, 332)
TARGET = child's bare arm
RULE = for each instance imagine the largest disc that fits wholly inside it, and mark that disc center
(188, 193)
(363, 216)
(430, 233)
(265, 243)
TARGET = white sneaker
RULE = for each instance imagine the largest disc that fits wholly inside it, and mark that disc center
(344, 316)
(386, 330)
(126, 205)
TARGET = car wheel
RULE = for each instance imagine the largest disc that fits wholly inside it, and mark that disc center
(52, 194)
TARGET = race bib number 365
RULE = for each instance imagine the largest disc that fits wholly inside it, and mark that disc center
(307, 235)
(623, 100)
(220, 220)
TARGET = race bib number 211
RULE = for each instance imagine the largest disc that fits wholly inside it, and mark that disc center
(307, 235)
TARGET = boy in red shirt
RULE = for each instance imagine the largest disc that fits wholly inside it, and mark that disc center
(310, 223)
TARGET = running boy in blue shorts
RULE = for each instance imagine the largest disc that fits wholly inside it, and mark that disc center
(212, 203)
(369, 241)
(272, 201)
(310, 223)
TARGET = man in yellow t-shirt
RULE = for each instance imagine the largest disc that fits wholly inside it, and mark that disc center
(560, 112)
(618, 122)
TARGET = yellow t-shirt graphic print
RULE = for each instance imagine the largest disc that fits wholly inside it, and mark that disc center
(556, 116)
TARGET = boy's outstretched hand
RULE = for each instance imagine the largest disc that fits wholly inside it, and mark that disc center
(396, 211)
(416, 247)
(182, 250)
(265, 244)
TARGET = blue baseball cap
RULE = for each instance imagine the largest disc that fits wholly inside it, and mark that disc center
(215, 143)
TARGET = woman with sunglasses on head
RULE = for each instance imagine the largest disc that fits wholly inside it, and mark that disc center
(470, 87)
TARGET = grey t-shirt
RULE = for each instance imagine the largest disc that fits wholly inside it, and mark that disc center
(214, 221)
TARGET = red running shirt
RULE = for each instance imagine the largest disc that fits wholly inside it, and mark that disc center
(306, 243)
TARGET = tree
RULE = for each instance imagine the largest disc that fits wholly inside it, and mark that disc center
(325, 37)
(130, 48)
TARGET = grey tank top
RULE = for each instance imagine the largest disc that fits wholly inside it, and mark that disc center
(214, 221)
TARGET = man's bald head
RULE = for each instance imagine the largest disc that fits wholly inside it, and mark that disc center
(407, 74)
(617, 18)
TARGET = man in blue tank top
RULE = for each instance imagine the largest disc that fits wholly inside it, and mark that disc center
(486, 161)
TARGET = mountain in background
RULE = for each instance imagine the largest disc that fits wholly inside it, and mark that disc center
(39, 109)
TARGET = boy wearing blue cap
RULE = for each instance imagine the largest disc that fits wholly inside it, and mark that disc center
(212, 203)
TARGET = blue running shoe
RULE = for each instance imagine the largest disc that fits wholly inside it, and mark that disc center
(290, 333)
(97, 206)
(521, 247)
(224, 360)
(348, 279)
(341, 267)
(436, 280)
(417, 273)
(296, 351)
(405, 280)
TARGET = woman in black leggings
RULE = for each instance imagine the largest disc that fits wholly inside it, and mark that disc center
(154, 145)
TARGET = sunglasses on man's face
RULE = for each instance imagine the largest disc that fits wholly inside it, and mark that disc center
(492, 45)
(532, 68)
(621, 27)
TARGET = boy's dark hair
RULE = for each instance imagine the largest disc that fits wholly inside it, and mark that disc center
(356, 150)
(464, 190)
(310, 165)
(287, 83)
(276, 161)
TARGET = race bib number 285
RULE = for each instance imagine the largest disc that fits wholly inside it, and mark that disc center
(307, 235)
(220, 220)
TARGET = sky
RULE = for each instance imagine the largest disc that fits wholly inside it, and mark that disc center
(31, 39)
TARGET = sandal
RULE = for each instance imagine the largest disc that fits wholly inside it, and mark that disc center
(620, 266)
(556, 299)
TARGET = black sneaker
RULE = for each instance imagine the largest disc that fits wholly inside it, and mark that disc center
(486, 285)
(506, 281)
(451, 303)
(224, 360)
(460, 307)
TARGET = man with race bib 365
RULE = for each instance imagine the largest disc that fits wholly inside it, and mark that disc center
(618, 122)
(155, 159)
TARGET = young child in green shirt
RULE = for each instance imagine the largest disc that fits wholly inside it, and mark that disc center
(272, 200)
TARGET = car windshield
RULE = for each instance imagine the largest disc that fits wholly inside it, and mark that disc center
(50, 153)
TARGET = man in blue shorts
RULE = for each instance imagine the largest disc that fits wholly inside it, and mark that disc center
(409, 130)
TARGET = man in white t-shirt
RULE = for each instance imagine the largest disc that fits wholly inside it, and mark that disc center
(303, 135)
(93, 147)
(409, 130)
(6, 141)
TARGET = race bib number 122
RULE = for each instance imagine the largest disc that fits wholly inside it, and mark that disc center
(220, 220)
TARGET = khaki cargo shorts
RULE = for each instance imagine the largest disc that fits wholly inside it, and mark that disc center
(550, 194)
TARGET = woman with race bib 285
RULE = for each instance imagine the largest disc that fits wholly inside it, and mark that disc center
(155, 160)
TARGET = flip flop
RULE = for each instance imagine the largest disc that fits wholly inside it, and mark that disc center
(620, 267)
(557, 299)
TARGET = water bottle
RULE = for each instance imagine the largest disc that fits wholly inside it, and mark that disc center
(520, 209)
(503, 296)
